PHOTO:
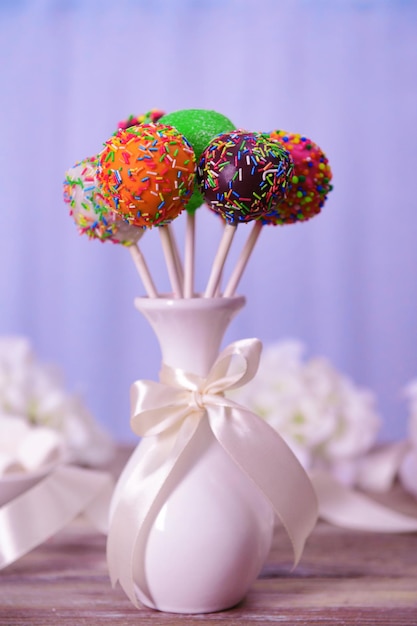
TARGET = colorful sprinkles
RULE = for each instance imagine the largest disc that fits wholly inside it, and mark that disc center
(309, 183)
(150, 117)
(89, 210)
(243, 175)
(146, 174)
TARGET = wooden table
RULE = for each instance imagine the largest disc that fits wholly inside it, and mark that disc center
(344, 578)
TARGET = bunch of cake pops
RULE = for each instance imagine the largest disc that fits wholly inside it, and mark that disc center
(157, 166)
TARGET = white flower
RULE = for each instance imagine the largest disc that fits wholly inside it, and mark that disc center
(411, 394)
(33, 394)
(325, 419)
(408, 468)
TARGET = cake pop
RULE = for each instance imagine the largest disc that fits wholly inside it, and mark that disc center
(309, 184)
(306, 194)
(199, 126)
(89, 210)
(243, 175)
(146, 174)
(94, 218)
(151, 116)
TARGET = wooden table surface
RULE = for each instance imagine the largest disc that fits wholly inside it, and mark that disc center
(344, 577)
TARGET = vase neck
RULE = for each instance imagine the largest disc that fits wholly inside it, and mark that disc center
(190, 331)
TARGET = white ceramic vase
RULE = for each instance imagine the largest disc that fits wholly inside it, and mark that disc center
(213, 532)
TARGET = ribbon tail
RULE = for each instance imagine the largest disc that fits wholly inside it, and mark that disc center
(377, 470)
(39, 513)
(344, 507)
(267, 460)
(97, 512)
(136, 509)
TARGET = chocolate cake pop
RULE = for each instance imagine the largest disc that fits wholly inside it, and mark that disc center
(243, 175)
(146, 174)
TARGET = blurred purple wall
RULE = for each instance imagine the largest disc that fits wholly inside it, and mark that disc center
(343, 73)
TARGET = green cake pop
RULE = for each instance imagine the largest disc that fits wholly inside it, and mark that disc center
(194, 202)
(199, 127)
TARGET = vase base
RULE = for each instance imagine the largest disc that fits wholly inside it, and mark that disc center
(189, 610)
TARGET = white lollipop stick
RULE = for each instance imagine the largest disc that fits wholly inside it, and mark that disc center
(219, 284)
(143, 270)
(189, 256)
(243, 260)
(219, 260)
(168, 248)
(176, 254)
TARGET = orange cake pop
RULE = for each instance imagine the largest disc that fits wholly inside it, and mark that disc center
(146, 174)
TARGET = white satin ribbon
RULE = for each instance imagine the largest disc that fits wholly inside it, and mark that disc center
(345, 507)
(44, 509)
(377, 470)
(172, 411)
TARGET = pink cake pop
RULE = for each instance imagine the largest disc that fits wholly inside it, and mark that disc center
(151, 116)
(309, 184)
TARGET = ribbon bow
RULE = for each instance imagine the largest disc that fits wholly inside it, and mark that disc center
(48, 506)
(172, 411)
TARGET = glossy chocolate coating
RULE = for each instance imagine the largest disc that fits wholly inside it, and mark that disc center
(243, 175)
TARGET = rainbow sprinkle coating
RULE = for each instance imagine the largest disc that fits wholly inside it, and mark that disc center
(309, 184)
(151, 116)
(146, 174)
(88, 209)
(243, 175)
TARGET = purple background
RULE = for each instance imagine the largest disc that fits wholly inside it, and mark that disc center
(342, 72)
